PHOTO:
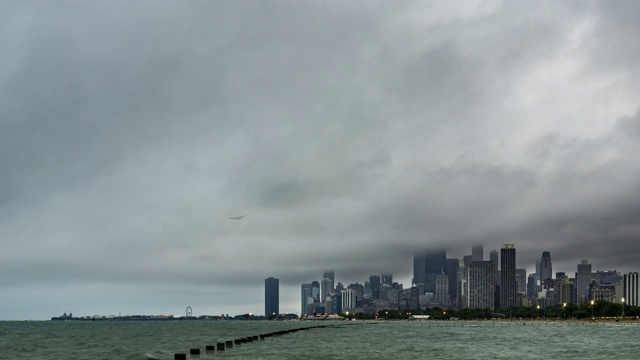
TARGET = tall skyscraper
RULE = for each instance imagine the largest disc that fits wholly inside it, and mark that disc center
(631, 289)
(481, 277)
(271, 297)
(453, 266)
(348, 299)
(521, 280)
(375, 286)
(315, 291)
(583, 280)
(441, 293)
(545, 266)
(387, 279)
(359, 290)
(435, 264)
(507, 276)
(307, 298)
(419, 261)
(495, 257)
(477, 253)
(327, 284)
(566, 291)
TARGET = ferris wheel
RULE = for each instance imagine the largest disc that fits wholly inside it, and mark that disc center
(189, 311)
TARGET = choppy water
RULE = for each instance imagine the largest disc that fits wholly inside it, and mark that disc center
(352, 340)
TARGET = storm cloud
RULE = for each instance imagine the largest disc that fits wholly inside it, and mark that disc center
(351, 134)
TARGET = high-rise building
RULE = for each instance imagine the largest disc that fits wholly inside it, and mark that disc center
(495, 257)
(375, 286)
(348, 299)
(359, 290)
(327, 283)
(481, 285)
(631, 289)
(477, 253)
(531, 286)
(507, 276)
(583, 281)
(452, 274)
(307, 298)
(545, 266)
(521, 280)
(419, 261)
(441, 294)
(271, 297)
(326, 289)
(387, 279)
(315, 291)
(435, 264)
(566, 291)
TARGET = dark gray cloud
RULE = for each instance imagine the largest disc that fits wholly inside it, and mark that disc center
(352, 135)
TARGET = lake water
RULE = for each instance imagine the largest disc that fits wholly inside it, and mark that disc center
(339, 340)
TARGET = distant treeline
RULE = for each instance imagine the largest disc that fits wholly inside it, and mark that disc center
(600, 309)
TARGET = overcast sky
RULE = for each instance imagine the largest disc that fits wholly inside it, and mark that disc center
(351, 134)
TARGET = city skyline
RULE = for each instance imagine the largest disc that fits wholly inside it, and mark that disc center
(161, 154)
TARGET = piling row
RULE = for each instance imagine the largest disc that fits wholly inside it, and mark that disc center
(223, 346)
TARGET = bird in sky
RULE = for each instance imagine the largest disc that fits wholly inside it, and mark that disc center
(237, 217)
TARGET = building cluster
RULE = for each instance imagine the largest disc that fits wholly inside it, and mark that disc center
(498, 283)
(471, 282)
(327, 297)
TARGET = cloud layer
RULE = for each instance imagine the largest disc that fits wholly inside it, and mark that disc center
(351, 134)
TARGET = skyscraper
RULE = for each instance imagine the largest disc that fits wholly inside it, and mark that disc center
(507, 276)
(521, 280)
(307, 298)
(545, 266)
(375, 286)
(435, 264)
(327, 284)
(419, 272)
(583, 280)
(495, 257)
(481, 285)
(453, 266)
(477, 253)
(315, 291)
(348, 299)
(271, 297)
(631, 289)
(387, 279)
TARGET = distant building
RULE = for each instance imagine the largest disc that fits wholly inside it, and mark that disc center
(387, 279)
(631, 289)
(583, 282)
(521, 280)
(348, 299)
(508, 276)
(307, 298)
(481, 285)
(495, 257)
(359, 290)
(453, 266)
(436, 264)
(441, 296)
(419, 271)
(374, 280)
(545, 266)
(477, 253)
(271, 297)
(315, 291)
(566, 290)
(327, 284)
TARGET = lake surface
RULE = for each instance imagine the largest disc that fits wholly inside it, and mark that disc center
(339, 340)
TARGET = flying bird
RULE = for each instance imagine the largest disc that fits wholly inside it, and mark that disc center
(237, 217)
